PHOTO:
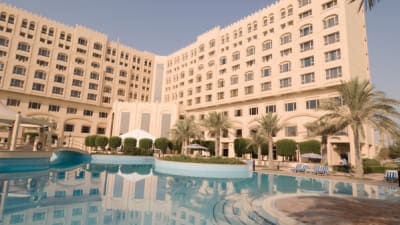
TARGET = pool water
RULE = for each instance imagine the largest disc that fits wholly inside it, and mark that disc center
(91, 194)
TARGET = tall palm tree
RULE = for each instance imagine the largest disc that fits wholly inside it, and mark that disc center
(216, 123)
(362, 106)
(184, 130)
(369, 4)
(270, 125)
(323, 129)
(257, 138)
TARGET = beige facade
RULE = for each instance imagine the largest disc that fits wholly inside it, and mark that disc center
(71, 75)
(284, 59)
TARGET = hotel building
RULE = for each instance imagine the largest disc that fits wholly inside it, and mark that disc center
(284, 59)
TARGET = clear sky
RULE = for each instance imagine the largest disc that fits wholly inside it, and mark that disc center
(163, 26)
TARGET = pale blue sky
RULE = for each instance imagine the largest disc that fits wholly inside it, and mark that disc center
(163, 26)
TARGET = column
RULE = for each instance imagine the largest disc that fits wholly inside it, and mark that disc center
(61, 138)
(15, 132)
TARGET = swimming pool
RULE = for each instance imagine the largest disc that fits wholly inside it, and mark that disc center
(88, 194)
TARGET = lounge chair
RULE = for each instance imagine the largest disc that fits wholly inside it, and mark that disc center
(317, 169)
(391, 176)
(297, 168)
(304, 169)
(324, 170)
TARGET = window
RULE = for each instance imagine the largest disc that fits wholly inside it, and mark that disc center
(72, 110)
(87, 112)
(251, 51)
(331, 21)
(34, 105)
(37, 87)
(286, 52)
(283, 13)
(54, 108)
(24, 47)
(15, 219)
(249, 90)
(248, 76)
(85, 129)
(69, 127)
(80, 61)
(291, 131)
(103, 114)
(270, 109)
(332, 38)
(222, 60)
(332, 55)
(307, 78)
(58, 90)
(101, 130)
(78, 71)
(286, 82)
(253, 111)
(123, 73)
(44, 52)
(290, 107)
(3, 41)
(306, 30)
(304, 3)
(234, 92)
(77, 83)
(38, 216)
(306, 46)
(221, 83)
(91, 96)
(19, 70)
(290, 11)
(305, 14)
(234, 79)
(312, 104)
(59, 78)
(266, 86)
(75, 93)
(82, 41)
(93, 86)
(13, 102)
(220, 95)
(109, 69)
(329, 4)
(62, 57)
(17, 83)
(267, 45)
(285, 67)
(94, 76)
(286, 38)
(332, 73)
(266, 71)
(1, 66)
(40, 74)
(237, 113)
(307, 62)
(235, 56)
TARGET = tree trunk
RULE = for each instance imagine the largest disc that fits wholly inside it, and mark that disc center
(324, 149)
(217, 142)
(359, 171)
(270, 151)
(259, 153)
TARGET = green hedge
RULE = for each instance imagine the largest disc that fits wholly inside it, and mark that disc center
(311, 146)
(129, 144)
(90, 141)
(211, 160)
(162, 144)
(373, 166)
(101, 141)
(145, 143)
(115, 142)
(240, 146)
(286, 147)
(139, 152)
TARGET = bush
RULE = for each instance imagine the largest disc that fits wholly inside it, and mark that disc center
(90, 141)
(177, 146)
(101, 141)
(264, 149)
(129, 144)
(145, 143)
(139, 152)
(162, 144)
(341, 168)
(115, 142)
(373, 166)
(286, 147)
(311, 146)
(391, 166)
(240, 146)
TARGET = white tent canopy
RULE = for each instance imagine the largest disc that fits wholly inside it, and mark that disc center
(137, 134)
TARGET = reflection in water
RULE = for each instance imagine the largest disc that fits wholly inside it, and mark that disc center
(133, 194)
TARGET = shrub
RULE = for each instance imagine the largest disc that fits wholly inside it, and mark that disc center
(177, 146)
(373, 166)
(341, 168)
(145, 143)
(391, 166)
(286, 147)
(240, 146)
(162, 144)
(129, 144)
(90, 141)
(139, 152)
(115, 142)
(311, 146)
(101, 141)
(264, 149)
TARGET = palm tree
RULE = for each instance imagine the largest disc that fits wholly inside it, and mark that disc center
(369, 4)
(362, 106)
(323, 129)
(216, 123)
(269, 125)
(257, 138)
(184, 130)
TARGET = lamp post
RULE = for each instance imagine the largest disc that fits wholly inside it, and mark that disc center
(69, 140)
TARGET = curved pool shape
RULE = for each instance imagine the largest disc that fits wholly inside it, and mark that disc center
(132, 194)
(201, 169)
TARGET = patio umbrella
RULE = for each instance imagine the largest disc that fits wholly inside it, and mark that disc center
(196, 146)
(311, 156)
